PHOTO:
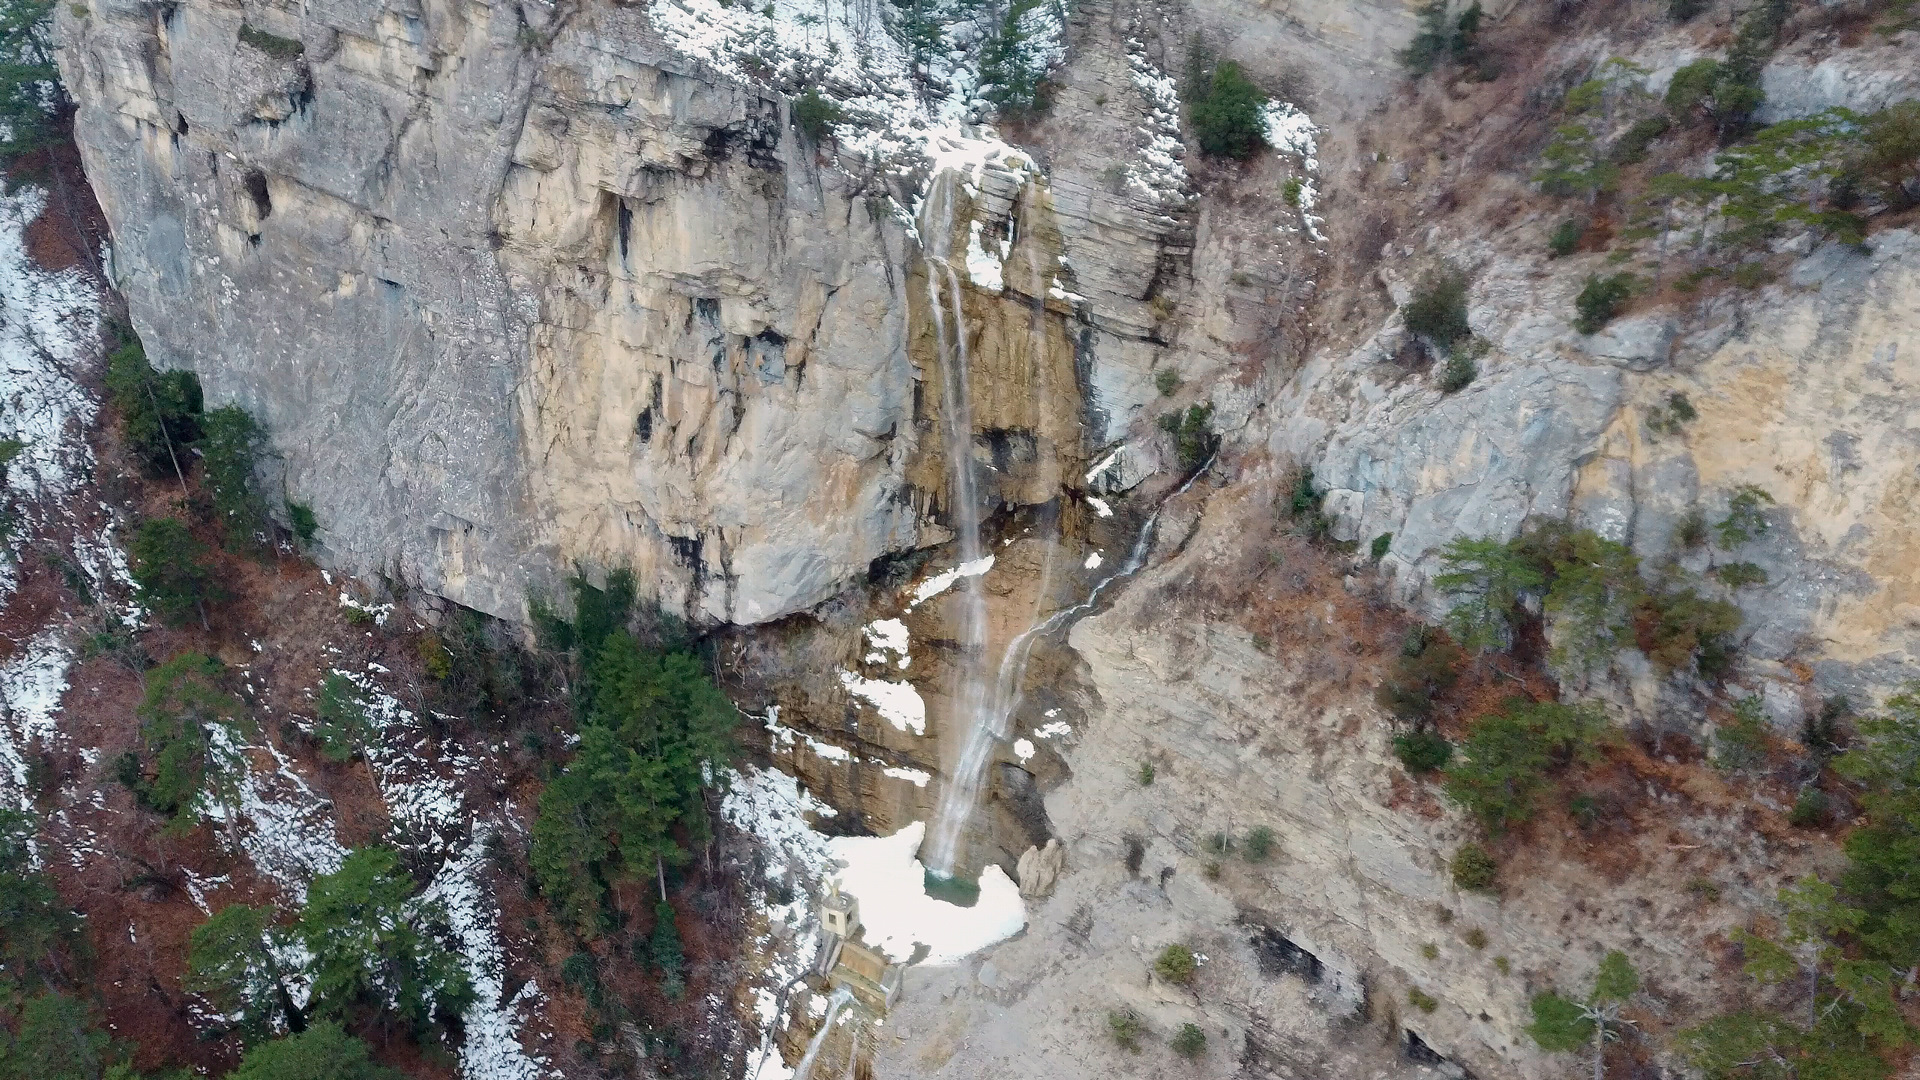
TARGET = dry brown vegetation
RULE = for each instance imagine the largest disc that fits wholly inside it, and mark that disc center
(1330, 613)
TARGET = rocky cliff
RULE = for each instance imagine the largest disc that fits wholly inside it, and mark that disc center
(519, 290)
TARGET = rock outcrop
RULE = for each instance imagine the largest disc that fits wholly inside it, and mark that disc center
(1791, 388)
(1039, 869)
(512, 294)
(516, 291)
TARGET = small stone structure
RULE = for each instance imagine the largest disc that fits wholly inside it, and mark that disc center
(839, 913)
(845, 960)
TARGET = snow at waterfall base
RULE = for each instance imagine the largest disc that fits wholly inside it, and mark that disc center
(882, 872)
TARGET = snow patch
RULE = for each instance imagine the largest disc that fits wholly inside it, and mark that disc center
(48, 325)
(898, 702)
(491, 1048)
(283, 826)
(1160, 176)
(1100, 506)
(886, 636)
(983, 269)
(379, 612)
(32, 683)
(1023, 749)
(765, 1063)
(919, 777)
(891, 884)
(892, 112)
(828, 751)
(105, 565)
(1291, 131)
(198, 886)
(1093, 561)
(945, 579)
(422, 783)
(971, 156)
(780, 736)
(770, 806)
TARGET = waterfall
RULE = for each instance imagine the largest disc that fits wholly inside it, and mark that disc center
(834, 1004)
(984, 717)
(969, 696)
(962, 792)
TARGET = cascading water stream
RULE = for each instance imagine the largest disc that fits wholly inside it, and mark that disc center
(834, 1005)
(962, 793)
(962, 502)
(984, 717)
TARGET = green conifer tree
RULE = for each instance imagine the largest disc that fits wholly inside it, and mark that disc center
(378, 951)
(233, 958)
(322, 1052)
(194, 766)
(171, 567)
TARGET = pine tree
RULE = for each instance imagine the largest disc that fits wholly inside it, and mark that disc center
(1596, 585)
(1488, 579)
(37, 930)
(341, 724)
(33, 101)
(159, 411)
(1013, 69)
(675, 723)
(377, 949)
(654, 733)
(230, 449)
(1559, 1024)
(648, 747)
(1883, 857)
(322, 1052)
(1564, 1025)
(232, 959)
(47, 1030)
(1853, 1016)
(170, 566)
(55, 1038)
(1504, 762)
(194, 763)
(1227, 120)
(572, 852)
(1745, 1045)
(664, 951)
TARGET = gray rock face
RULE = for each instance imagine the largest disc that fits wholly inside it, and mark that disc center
(516, 292)
(1312, 955)
(1801, 81)
(1795, 390)
(1359, 889)
(506, 308)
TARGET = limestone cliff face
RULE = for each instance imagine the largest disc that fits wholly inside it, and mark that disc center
(510, 292)
(515, 290)
(520, 289)
(1796, 391)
